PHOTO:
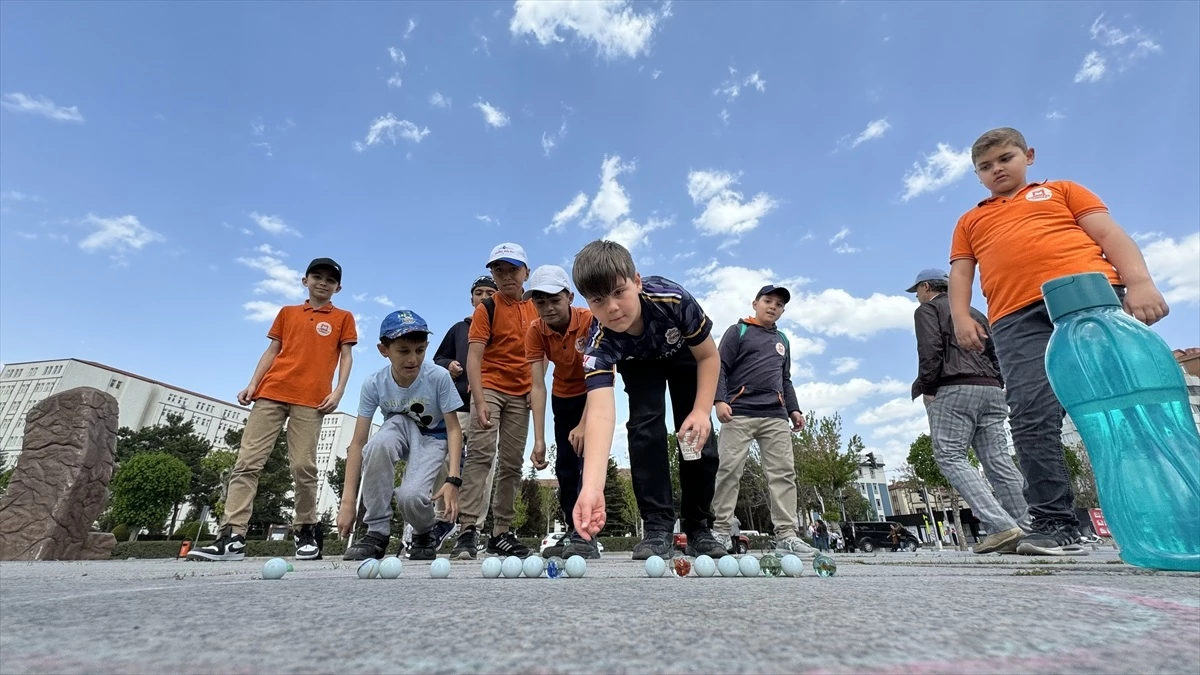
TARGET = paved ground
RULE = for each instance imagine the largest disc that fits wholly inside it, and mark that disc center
(926, 612)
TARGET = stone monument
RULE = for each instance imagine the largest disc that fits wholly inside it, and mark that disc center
(60, 484)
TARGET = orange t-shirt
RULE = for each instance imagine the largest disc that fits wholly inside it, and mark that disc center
(565, 351)
(1023, 241)
(312, 339)
(505, 368)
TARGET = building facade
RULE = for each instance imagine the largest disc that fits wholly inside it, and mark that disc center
(871, 483)
(1189, 363)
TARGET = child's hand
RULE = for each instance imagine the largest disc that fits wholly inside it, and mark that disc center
(697, 426)
(575, 437)
(345, 519)
(330, 403)
(481, 416)
(244, 395)
(970, 334)
(539, 455)
(589, 513)
(797, 420)
(449, 495)
(1145, 303)
(455, 369)
(724, 412)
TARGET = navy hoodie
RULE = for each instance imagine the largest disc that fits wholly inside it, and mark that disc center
(756, 371)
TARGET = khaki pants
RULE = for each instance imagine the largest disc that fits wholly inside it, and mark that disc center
(501, 446)
(258, 440)
(464, 421)
(774, 438)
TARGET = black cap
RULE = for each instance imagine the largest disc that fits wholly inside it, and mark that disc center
(484, 281)
(325, 262)
(777, 290)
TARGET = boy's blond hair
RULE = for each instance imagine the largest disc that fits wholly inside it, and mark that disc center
(997, 138)
(600, 267)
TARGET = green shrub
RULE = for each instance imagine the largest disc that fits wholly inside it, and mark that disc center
(121, 532)
(188, 531)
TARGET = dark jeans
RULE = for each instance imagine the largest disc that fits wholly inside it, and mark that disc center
(646, 383)
(1034, 413)
(567, 465)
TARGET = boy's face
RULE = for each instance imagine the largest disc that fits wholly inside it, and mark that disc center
(480, 294)
(321, 284)
(555, 309)
(768, 309)
(619, 310)
(1002, 169)
(509, 278)
(406, 356)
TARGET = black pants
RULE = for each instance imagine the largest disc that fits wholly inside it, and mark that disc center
(567, 465)
(646, 383)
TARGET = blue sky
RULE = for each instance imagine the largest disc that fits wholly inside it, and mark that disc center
(168, 169)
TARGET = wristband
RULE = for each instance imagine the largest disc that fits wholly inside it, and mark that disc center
(455, 481)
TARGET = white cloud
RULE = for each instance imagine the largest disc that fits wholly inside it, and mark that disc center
(261, 311)
(874, 130)
(272, 224)
(1092, 68)
(390, 128)
(551, 138)
(494, 116)
(1175, 267)
(437, 100)
(906, 430)
(1055, 115)
(385, 301)
(266, 249)
(394, 82)
(839, 236)
(897, 408)
(612, 26)
(846, 249)
(732, 87)
(257, 127)
(755, 81)
(725, 210)
(412, 25)
(397, 56)
(359, 297)
(724, 116)
(943, 167)
(836, 313)
(266, 148)
(656, 74)
(845, 364)
(118, 234)
(827, 397)
(569, 212)
(610, 203)
(14, 196)
(41, 105)
(485, 218)
(281, 280)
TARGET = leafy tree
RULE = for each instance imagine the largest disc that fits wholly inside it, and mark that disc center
(336, 477)
(925, 469)
(821, 463)
(752, 509)
(5, 476)
(615, 511)
(535, 517)
(178, 439)
(146, 487)
(216, 466)
(274, 484)
(522, 511)
(549, 501)
(858, 509)
(1083, 481)
(673, 460)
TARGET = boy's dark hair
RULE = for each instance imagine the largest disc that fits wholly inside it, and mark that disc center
(600, 267)
(409, 338)
(997, 138)
(938, 286)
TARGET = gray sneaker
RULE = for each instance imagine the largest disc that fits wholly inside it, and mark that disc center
(657, 542)
(1003, 542)
(575, 545)
(794, 544)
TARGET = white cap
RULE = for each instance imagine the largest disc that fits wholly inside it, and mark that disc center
(509, 253)
(548, 279)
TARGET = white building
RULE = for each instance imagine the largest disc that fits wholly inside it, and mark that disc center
(336, 431)
(872, 485)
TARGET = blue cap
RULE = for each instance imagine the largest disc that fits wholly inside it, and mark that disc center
(402, 322)
(931, 274)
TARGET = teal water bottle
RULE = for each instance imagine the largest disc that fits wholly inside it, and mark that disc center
(1122, 387)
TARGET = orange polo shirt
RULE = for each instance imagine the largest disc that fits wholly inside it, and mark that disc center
(312, 339)
(565, 351)
(1024, 241)
(505, 368)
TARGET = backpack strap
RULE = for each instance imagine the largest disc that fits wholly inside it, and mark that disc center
(490, 305)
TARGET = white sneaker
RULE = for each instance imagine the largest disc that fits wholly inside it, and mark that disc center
(793, 545)
(724, 539)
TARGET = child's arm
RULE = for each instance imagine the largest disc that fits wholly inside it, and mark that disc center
(967, 331)
(539, 414)
(728, 354)
(348, 512)
(576, 435)
(601, 418)
(698, 425)
(475, 382)
(445, 356)
(1142, 299)
(448, 493)
(264, 364)
(331, 401)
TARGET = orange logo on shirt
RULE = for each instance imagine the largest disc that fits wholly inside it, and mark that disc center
(1039, 194)
(324, 329)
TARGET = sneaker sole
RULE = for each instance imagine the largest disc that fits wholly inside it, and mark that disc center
(712, 554)
(505, 554)
(309, 556)
(463, 555)
(212, 557)
(1009, 543)
(1030, 549)
(645, 555)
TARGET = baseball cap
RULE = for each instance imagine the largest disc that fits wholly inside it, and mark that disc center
(484, 281)
(777, 290)
(509, 253)
(549, 279)
(325, 262)
(931, 274)
(402, 322)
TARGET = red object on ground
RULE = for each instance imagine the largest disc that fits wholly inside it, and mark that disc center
(1098, 523)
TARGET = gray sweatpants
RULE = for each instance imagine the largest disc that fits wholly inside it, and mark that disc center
(963, 416)
(400, 438)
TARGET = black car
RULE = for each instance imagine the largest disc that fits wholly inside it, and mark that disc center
(870, 536)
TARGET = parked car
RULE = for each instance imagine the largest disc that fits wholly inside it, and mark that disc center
(741, 543)
(555, 538)
(870, 536)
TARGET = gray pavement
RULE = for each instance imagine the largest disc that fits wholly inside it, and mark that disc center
(926, 612)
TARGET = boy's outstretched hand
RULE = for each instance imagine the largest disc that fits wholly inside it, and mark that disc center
(449, 493)
(1144, 303)
(345, 519)
(970, 334)
(589, 514)
(330, 403)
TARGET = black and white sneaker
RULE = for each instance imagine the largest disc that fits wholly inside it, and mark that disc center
(423, 547)
(657, 542)
(310, 539)
(441, 532)
(1052, 538)
(576, 545)
(702, 542)
(467, 546)
(507, 544)
(372, 545)
(227, 547)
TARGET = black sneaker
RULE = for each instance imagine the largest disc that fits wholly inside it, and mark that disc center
(467, 546)
(372, 545)
(507, 544)
(310, 539)
(424, 546)
(228, 546)
(702, 542)
(657, 542)
(557, 549)
(441, 532)
(588, 550)
(1052, 538)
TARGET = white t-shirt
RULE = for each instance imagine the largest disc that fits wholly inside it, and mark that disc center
(426, 401)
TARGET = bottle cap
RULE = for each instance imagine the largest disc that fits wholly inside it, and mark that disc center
(1067, 295)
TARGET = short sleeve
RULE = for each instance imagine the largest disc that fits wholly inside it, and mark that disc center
(693, 322)
(447, 394)
(960, 243)
(481, 327)
(599, 360)
(1082, 201)
(368, 398)
(534, 350)
(349, 330)
(276, 332)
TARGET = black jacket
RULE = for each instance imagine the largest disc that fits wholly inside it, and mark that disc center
(454, 348)
(941, 361)
(756, 371)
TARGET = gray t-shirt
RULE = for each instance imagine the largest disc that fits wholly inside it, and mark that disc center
(425, 401)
